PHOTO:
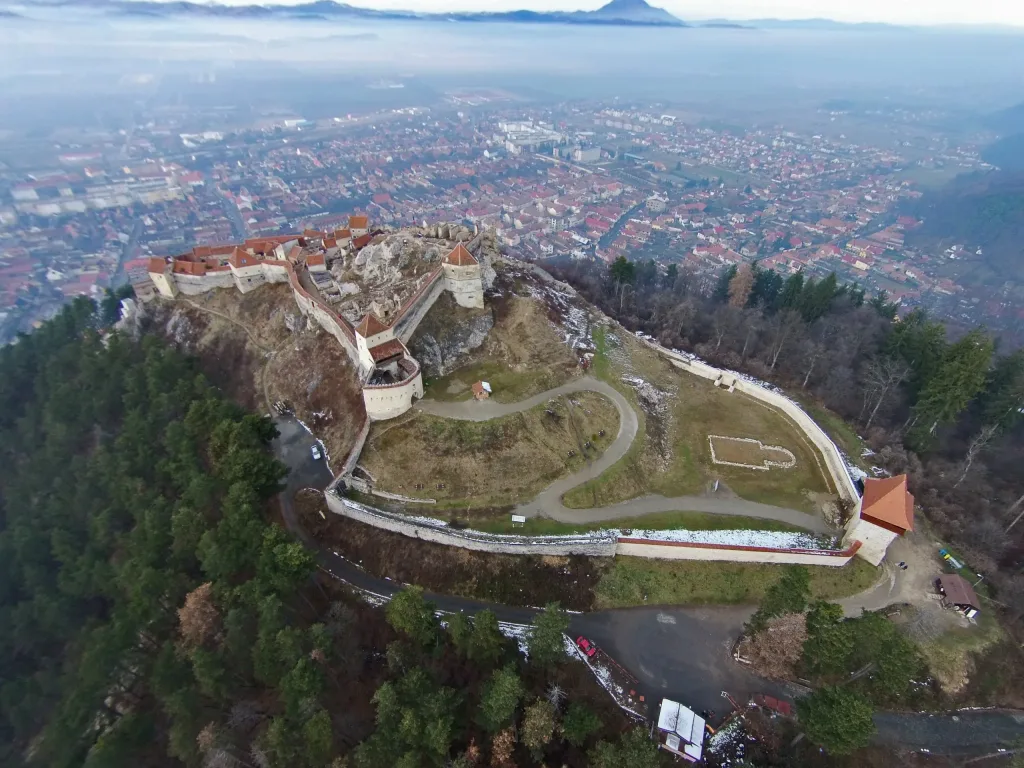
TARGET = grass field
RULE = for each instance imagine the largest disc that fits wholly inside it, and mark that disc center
(496, 463)
(672, 456)
(522, 356)
(949, 656)
(661, 521)
(666, 582)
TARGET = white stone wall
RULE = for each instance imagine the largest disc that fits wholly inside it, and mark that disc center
(828, 451)
(666, 551)
(388, 402)
(191, 285)
(413, 316)
(874, 540)
(465, 284)
(595, 545)
(164, 283)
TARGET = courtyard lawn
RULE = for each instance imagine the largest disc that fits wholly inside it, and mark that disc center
(480, 466)
(672, 455)
(686, 582)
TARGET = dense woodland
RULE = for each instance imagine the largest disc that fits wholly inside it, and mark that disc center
(947, 411)
(980, 210)
(152, 613)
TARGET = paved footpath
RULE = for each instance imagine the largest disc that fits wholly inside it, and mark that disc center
(680, 652)
(548, 502)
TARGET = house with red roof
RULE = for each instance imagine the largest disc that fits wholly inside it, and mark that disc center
(885, 512)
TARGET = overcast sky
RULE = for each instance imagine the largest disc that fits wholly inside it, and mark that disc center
(893, 11)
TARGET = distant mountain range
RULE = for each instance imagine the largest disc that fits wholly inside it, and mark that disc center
(617, 12)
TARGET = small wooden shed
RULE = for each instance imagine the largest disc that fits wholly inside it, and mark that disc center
(957, 593)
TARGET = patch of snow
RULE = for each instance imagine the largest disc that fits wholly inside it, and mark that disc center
(738, 538)
(517, 632)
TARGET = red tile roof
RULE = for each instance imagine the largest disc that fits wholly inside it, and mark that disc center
(460, 257)
(888, 501)
(386, 350)
(240, 258)
(157, 265)
(315, 260)
(358, 222)
(370, 326)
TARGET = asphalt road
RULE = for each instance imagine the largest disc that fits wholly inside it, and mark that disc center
(681, 653)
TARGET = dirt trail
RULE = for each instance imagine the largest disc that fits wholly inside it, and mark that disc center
(548, 502)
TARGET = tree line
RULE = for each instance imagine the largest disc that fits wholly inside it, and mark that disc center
(945, 408)
(152, 613)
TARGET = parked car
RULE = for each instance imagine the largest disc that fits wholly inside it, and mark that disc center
(316, 453)
(588, 648)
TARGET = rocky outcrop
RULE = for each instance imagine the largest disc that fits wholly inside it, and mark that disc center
(442, 347)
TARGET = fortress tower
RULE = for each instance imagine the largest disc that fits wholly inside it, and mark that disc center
(462, 277)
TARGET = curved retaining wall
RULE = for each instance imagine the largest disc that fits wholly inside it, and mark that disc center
(833, 459)
(594, 545)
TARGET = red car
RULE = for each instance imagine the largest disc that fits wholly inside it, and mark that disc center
(588, 648)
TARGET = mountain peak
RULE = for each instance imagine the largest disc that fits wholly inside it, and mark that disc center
(638, 11)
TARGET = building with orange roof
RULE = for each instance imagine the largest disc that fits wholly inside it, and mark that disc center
(359, 225)
(391, 377)
(462, 277)
(885, 512)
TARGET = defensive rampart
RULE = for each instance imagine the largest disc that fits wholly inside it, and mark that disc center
(674, 550)
(597, 544)
(830, 454)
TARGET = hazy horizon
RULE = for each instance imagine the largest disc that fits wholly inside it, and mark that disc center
(906, 12)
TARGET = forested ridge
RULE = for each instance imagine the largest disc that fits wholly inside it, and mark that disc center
(945, 410)
(151, 613)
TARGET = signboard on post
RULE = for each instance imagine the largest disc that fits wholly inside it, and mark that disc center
(518, 521)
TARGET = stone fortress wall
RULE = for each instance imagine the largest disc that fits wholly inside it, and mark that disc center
(835, 466)
(260, 261)
(596, 544)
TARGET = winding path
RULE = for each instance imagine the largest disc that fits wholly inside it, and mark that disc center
(548, 503)
(679, 652)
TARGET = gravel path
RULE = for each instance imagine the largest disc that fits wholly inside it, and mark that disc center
(548, 502)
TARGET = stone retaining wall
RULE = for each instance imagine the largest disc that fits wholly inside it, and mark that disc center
(597, 544)
(834, 463)
(594, 545)
(673, 550)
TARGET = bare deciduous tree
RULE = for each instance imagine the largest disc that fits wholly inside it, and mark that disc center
(881, 378)
(982, 439)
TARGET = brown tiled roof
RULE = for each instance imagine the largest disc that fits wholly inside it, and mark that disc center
(315, 260)
(343, 234)
(190, 267)
(362, 240)
(460, 257)
(156, 265)
(358, 222)
(240, 258)
(887, 500)
(370, 326)
(386, 350)
(958, 590)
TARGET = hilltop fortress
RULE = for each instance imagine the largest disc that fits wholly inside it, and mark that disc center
(368, 290)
